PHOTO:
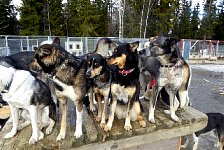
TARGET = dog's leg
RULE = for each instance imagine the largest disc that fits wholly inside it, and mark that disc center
(195, 140)
(99, 102)
(152, 103)
(15, 122)
(172, 95)
(104, 113)
(184, 99)
(47, 121)
(176, 105)
(91, 99)
(187, 142)
(63, 109)
(221, 140)
(218, 139)
(79, 114)
(25, 115)
(137, 110)
(36, 133)
(111, 116)
(127, 125)
(23, 125)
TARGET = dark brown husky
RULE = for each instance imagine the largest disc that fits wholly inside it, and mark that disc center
(68, 73)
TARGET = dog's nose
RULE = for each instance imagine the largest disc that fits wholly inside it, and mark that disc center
(88, 74)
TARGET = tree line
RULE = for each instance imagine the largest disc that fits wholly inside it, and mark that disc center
(131, 18)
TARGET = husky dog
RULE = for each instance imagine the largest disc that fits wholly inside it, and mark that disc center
(215, 123)
(163, 61)
(125, 87)
(68, 73)
(101, 73)
(21, 90)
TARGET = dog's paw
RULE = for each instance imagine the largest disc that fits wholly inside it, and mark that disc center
(142, 123)
(128, 127)
(151, 119)
(49, 130)
(183, 146)
(92, 108)
(78, 134)
(41, 135)
(33, 140)
(216, 145)
(167, 112)
(98, 118)
(107, 128)
(60, 137)
(10, 135)
(174, 118)
(102, 125)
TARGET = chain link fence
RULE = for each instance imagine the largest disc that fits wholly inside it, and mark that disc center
(191, 49)
(76, 45)
(206, 49)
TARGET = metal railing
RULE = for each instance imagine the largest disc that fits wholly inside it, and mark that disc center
(10, 44)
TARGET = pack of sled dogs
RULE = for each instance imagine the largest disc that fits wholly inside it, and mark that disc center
(35, 83)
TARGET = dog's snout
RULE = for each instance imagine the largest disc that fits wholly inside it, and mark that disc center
(88, 74)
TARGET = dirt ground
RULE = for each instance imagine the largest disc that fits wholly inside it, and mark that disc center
(206, 94)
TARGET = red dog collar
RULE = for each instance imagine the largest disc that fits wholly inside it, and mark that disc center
(126, 72)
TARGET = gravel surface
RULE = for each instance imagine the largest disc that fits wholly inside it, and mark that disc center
(205, 94)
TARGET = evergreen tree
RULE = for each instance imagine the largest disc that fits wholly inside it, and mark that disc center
(195, 22)
(208, 21)
(8, 21)
(30, 17)
(162, 17)
(56, 24)
(184, 30)
(101, 9)
(132, 14)
(219, 28)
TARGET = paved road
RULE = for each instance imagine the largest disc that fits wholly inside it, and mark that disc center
(204, 94)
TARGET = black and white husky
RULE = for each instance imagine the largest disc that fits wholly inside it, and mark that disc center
(22, 91)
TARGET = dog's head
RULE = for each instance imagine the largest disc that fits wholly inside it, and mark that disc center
(125, 55)
(47, 57)
(96, 64)
(161, 46)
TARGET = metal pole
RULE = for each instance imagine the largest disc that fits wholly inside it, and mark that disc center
(6, 45)
(28, 46)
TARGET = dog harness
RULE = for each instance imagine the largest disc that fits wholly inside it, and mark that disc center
(126, 72)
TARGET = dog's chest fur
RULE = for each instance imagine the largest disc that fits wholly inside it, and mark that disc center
(65, 90)
(102, 84)
(122, 93)
(170, 76)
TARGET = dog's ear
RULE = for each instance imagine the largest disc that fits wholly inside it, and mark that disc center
(174, 41)
(56, 41)
(86, 57)
(153, 39)
(171, 41)
(113, 45)
(134, 46)
(46, 51)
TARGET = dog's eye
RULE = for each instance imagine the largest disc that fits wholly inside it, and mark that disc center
(96, 65)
